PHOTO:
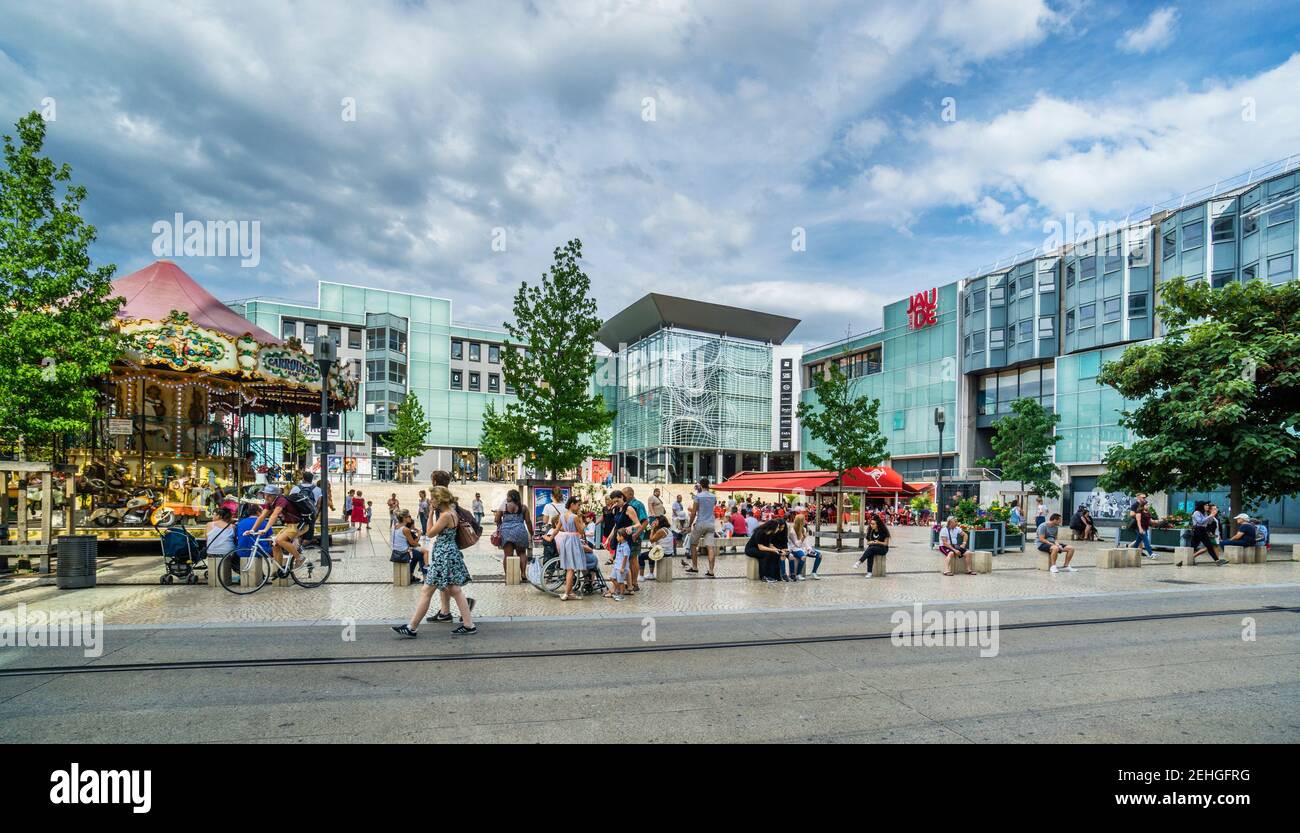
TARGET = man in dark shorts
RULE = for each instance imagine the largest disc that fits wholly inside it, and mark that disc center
(1047, 533)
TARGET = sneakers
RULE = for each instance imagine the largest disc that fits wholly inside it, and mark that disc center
(767, 580)
(1070, 569)
(815, 577)
(800, 578)
(868, 575)
(464, 631)
(438, 617)
(405, 631)
(1054, 570)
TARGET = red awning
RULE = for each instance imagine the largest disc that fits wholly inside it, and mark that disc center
(877, 480)
(783, 482)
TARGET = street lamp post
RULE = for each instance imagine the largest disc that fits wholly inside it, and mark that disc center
(325, 355)
(940, 418)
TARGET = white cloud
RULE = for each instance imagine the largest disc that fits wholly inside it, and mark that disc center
(1153, 35)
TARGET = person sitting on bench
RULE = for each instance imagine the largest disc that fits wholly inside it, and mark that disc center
(952, 545)
(1047, 533)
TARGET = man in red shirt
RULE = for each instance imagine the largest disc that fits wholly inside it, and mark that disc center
(738, 526)
(279, 508)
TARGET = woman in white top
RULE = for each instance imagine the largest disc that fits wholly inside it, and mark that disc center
(220, 540)
(803, 545)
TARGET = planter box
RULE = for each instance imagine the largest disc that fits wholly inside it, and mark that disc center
(1000, 527)
(984, 539)
(1015, 542)
(1161, 539)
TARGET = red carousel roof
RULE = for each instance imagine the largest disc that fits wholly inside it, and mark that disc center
(877, 480)
(157, 289)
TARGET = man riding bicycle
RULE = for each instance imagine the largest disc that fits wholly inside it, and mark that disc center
(277, 508)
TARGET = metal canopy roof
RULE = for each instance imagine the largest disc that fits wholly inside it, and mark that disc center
(654, 312)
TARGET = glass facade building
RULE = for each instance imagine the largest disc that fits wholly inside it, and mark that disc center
(397, 342)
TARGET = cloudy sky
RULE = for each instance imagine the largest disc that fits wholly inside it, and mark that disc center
(912, 141)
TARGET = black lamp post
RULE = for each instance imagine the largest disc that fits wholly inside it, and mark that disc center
(325, 355)
(940, 418)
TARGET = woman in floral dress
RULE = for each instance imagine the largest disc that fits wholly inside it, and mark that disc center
(444, 570)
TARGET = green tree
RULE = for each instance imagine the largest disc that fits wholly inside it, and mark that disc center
(296, 443)
(56, 309)
(1218, 398)
(406, 440)
(1022, 448)
(549, 360)
(848, 425)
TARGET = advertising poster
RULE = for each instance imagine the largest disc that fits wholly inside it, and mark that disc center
(600, 469)
(543, 495)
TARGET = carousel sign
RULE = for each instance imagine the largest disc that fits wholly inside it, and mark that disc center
(289, 365)
(180, 345)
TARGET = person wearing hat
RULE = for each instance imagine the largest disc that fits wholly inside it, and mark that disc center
(278, 508)
(1246, 534)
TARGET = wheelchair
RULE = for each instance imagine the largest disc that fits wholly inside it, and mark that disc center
(546, 574)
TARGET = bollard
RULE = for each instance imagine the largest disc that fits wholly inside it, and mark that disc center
(1044, 561)
(250, 573)
(218, 568)
(664, 569)
(401, 574)
(1112, 558)
(751, 568)
(1134, 557)
(513, 573)
(1183, 554)
(981, 561)
(1238, 555)
(879, 569)
(1261, 555)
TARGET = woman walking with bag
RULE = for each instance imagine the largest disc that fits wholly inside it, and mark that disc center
(444, 570)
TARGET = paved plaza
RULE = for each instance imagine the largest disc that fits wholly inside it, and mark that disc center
(360, 587)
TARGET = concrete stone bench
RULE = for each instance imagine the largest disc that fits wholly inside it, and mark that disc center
(1244, 555)
(731, 544)
(1117, 557)
(664, 568)
(981, 561)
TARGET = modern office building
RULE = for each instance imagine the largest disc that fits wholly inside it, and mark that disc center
(699, 390)
(1042, 323)
(398, 342)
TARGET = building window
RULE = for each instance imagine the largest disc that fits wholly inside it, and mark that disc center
(457, 349)
(1249, 224)
(396, 340)
(1069, 322)
(1248, 272)
(1026, 285)
(309, 334)
(397, 372)
(288, 329)
(1193, 236)
(1137, 305)
(510, 389)
(979, 300)
(1169, 243)
(1046, 282)
(1087, 316)
(1111, 308)
(354, 338)
(456, 379)
(1281, 214)
(1221, 231)
(966, 305)
(997, 295)
(966, 345)
(997, 339)
(475, 353)
(1011, 288)
(376, 338)
(494, 383)
(1088, 268)
(1279, 269)
(1137, 253)
(494, 354)
(1026, 330)
(1046, 327)
(375, 371)
(1221, 279)
(977, 341)
(1011, 336)
(336, 336)
(1069, 274)
(473, 381)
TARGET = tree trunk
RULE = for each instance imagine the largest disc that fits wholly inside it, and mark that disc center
(1235, 501)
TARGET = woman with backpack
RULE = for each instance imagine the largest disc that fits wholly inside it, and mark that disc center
(514, 533)
(444, 570)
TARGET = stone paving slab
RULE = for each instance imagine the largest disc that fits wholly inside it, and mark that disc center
(360, 588)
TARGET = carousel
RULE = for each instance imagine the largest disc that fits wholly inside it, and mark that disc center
(171, 436)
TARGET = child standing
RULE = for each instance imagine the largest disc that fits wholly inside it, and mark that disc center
(622, 555)
(370, 510)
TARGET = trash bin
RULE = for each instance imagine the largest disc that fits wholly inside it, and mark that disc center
(76, 561)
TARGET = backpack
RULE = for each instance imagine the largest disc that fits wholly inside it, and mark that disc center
(303, 503)
(468, 530)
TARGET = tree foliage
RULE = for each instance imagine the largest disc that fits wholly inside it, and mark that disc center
(548, 360)
(296, 443)
(1217, 399)
(848, 425)
(1022, 447)
(56, 309)
(406, 440)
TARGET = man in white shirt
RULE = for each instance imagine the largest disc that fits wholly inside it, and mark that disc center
(952, 545)
(656, 505)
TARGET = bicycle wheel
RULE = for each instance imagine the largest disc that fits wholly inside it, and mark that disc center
(241, 583)
(311, 573)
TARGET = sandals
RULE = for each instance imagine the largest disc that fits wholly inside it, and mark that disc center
(568, 597)
(971, 573)
(947, 574)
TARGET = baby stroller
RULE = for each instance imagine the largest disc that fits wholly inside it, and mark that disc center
(183, 555)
